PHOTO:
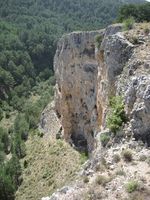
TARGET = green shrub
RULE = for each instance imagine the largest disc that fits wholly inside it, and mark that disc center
(131, 186)
(85, 179)
(13, 169)
(25, 164)
(4, 140)
(7, 114)
(9, 178)
(116, 158)
(116, 117)
(19, 147)
(39, 133)
(128, 23)
(2, 157)
(127, 155)
(1, 114)
(120, 172)
(142, 158)
(6, 143)
(134, 40)
(102, 180)
(21, 126)
(140, 12)
(7, 189)
(83, 157)
(98, 40)
(105, 138)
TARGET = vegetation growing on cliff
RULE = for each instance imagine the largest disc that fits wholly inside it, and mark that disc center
(116, 117)
(28, 34)
(98, 41)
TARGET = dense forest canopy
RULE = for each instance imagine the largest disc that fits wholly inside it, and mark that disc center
(28, 34)
(140, 12)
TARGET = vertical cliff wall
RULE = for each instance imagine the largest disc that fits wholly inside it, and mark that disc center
(76, 73)
(88, 76)
(114, 52)
(85, 81)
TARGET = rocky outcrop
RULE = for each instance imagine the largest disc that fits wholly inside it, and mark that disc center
(76, 73)
(119, 66)
(49, 124)
(138, 107)
(88, 76)
(85, 82)
(112, 56)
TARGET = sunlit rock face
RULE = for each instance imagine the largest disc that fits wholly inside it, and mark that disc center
(85, 81)
(76, 72)
(87, 76)
(112, 56)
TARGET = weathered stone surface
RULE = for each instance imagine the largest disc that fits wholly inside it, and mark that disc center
(49, 123)
(119, 68)
(112, 56)
(76, 74)
(138, 107)
(85, 83)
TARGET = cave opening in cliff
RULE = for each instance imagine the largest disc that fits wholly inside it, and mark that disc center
(80, 142)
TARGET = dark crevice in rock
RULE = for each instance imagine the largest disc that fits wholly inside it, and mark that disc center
(79, 142)
(144, 137)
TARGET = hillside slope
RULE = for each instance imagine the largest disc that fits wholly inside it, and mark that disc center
(64, 14)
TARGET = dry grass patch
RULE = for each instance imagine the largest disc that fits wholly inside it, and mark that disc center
(127, 155)
(102, 180)
(50, 165)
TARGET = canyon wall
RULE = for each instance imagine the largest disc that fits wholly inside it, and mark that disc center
(87, 75)
(76, 72)
(114, 52)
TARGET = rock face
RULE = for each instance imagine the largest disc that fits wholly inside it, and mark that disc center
(49, 123)
(88, 76)
(76, 73)
(112, 56)
(138, 106)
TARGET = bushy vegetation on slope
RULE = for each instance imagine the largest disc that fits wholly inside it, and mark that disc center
(28, 34)
(140, 12)
(13, 137)
(116, 117)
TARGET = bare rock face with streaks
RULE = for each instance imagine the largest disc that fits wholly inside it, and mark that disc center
(112, 56)
(76, 73)
(86, 80)
(87, 76)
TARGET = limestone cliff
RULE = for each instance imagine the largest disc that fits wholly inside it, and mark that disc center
(76, 73)
(88, 76)
(112, 56)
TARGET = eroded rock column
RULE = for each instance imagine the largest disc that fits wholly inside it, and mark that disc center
(112, 56)
(76, 90)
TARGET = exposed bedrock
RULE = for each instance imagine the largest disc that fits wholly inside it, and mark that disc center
(87, 77)
(76, 73)
(112, 56)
